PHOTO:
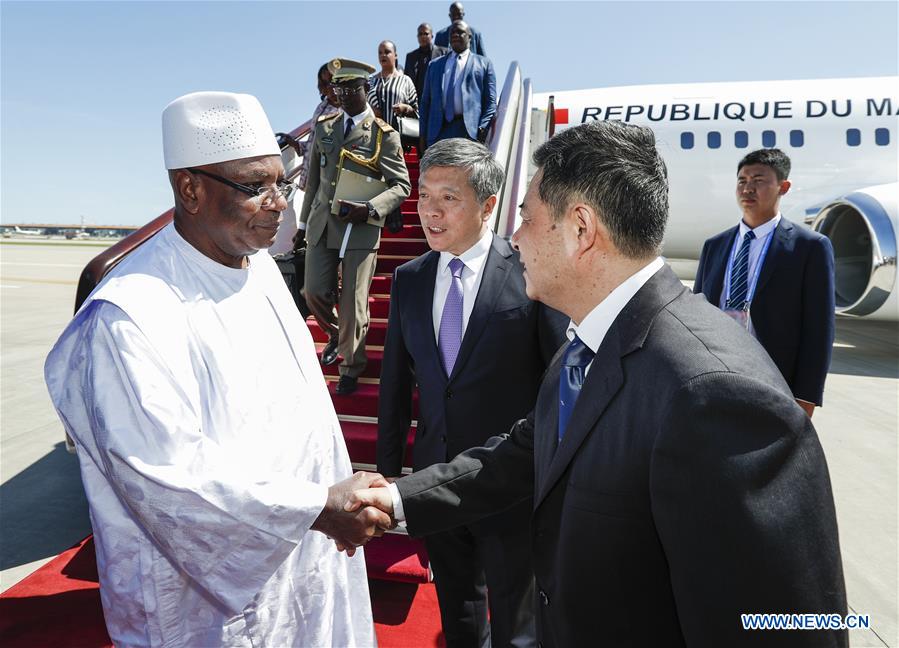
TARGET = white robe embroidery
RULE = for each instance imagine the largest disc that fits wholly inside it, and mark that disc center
(207, 441)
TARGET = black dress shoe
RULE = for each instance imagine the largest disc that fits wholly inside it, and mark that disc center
(329, 353)
(346, 385)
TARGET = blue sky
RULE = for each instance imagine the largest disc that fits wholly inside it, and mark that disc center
(83, 84)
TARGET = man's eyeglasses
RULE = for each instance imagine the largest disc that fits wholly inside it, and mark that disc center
(341, 90)
(266, 194)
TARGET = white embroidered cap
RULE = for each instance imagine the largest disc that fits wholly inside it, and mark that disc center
(210, 127)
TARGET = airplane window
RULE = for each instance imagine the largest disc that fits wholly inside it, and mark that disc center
(769, 139)
(882, 136)
(797, 138)
(853, 137)
(714, 139)
(741, 139)
(686, 140)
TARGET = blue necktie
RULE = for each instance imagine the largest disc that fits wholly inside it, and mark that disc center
(450, 337)
(449, 93)
(348, 128)
(739, 276)
(574, 365)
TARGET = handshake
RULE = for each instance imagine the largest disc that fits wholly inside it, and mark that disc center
(357, 509)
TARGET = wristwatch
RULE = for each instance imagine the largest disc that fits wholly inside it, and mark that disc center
(372, 212)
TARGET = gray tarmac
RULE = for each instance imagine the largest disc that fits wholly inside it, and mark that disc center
(43, 510)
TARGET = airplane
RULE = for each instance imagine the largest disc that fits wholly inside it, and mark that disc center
(840, 135)
(26, 231)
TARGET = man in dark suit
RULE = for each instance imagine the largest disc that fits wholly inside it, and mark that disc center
(417, 60)
(457, 12)
(775, 278)
(453, 343)
(459, 99)
(676, 483)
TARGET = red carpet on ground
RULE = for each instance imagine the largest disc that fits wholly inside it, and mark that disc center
(59, 606)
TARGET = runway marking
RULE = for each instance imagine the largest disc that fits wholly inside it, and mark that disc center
(44, 265)
(9, 286)
(43, 281)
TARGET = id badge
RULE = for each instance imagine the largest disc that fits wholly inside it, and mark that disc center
(740, 316)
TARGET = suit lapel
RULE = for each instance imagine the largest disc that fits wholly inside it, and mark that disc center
(780, 245)
(496, 271)
(719, 266)
(466, 71)
(422, 303)
(606, 378)
(602, 383)
(546, 424)
(441, 78)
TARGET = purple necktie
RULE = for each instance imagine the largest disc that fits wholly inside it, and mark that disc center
(450, 337)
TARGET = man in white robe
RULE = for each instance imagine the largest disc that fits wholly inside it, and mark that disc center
(206, 436)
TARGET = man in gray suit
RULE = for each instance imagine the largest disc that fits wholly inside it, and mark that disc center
(677, 485)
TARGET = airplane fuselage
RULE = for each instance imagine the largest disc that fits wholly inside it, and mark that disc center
(840, 135)
(703, 130)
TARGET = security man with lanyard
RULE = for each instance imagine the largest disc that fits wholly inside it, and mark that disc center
(775, 278)
(355, 140)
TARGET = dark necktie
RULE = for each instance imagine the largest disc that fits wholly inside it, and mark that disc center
(739, 276)
(450, 337)
(574, 365)
(449, 95)
(348, 128)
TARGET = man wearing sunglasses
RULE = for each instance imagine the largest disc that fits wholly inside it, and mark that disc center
(348, 234)
(207, 440)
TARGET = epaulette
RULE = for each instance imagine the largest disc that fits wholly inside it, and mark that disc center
(387, 128)
(323, 118)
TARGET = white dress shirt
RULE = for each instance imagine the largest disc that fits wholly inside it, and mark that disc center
(474, 259)
(459, 60)
(358, 119)
(591, 331)
(756, 245)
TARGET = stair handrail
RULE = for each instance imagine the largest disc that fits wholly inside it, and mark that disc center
(101, 264)
(503, 135)
(516, 177)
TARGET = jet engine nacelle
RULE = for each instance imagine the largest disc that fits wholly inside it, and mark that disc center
(862, 227)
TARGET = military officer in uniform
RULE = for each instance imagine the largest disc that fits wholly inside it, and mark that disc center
(356, 140)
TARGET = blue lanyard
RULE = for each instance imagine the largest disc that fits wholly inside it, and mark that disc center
(750, 289)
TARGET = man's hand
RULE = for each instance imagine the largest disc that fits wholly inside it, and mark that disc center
(352, 529)
(299, 239)
(352, 212)
(378, 498)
